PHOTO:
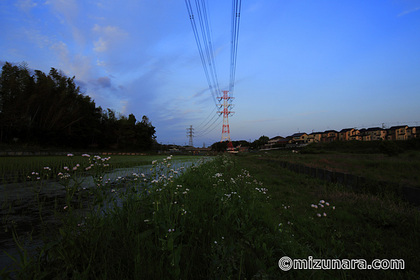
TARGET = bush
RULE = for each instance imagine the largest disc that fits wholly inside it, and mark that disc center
(389, 148)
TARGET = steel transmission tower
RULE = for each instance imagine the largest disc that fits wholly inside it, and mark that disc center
(226, 104)
(190, 135)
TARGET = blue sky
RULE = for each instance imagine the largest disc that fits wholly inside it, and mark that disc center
(302, 65)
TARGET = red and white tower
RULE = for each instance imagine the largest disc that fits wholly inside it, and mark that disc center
(226, 104)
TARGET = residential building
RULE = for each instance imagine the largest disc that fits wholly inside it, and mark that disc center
(376, 133)
(276, 141)
(299, 138)
(329, 136)
(315, 137)
(344, 134)
(355, 135)
(364, 135)
(411, 132)
(397, 132)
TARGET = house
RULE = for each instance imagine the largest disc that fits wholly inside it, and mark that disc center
(299, 138)
(376, 133)
(417, 135)
(397, 132)
(329, 136)
(411, 132)
(276, 141)
(355, 135)
(315, 137)
(364, 135)
(344, 134)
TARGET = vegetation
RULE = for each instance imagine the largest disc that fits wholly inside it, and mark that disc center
(17, 169)
(360, 225)
(230, 218)
(390, 148)
(397, 162)
(258, 143)
(50, 110)
(212, 222)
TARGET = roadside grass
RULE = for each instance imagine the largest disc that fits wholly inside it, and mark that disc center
(361, 226)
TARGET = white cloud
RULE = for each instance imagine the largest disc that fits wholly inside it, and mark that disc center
(26, 5)
(68, 8)
(62, 51)
(409, 11)
(108, 36)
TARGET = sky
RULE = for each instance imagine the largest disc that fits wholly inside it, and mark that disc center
(302, 65)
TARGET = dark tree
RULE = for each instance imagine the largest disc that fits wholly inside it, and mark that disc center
(50, 110)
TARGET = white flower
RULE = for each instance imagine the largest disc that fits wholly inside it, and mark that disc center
(326, 203)
(322, 201)
(154, 162)
(69, 155)
(325, 214)
(319, 215)
(333, 207)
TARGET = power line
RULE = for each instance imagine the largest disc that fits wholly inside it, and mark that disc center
(202, 35)
(204, 39)
(236, 15)
(211, 127)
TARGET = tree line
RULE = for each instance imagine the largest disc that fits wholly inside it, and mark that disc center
(50, 110)
(256, 144)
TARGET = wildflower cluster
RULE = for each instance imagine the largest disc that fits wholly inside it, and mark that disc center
(322, 206)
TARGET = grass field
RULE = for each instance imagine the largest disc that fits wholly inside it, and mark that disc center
(361, 225)
(231, 218)
(402, 169)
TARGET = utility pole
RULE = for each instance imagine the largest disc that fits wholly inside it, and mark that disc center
(226, 112)
(190, 135)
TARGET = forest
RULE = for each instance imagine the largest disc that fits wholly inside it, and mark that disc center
(49, 110)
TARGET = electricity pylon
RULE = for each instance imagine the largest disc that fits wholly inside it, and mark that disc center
(226, 112)
(190, 135)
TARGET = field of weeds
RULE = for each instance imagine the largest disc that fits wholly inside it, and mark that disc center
(233, 217)
(402, 169)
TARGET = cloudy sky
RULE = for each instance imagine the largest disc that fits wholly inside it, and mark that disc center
(302, 66)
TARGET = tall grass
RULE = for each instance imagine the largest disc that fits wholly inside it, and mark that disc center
(354, 226)
(213, 222)
(229, 218)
